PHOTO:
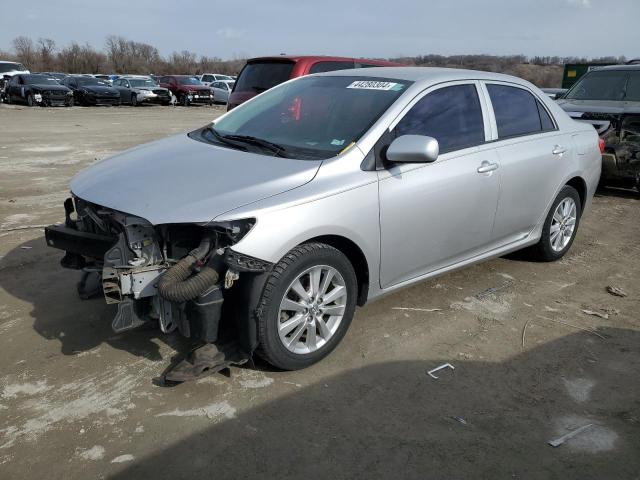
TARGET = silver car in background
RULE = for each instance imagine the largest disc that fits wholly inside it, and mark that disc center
(324, 193)
(221, 90)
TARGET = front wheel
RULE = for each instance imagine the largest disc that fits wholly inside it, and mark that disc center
(134, 100)
(30, 101)
(306, 307)
(560, 226)
(184, 101)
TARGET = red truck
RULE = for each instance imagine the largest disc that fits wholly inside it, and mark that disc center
(263, 73)
(187, 89)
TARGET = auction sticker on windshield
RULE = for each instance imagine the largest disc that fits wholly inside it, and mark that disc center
(375, 85)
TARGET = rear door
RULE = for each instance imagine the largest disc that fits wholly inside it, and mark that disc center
(435, 215)
(533, 154)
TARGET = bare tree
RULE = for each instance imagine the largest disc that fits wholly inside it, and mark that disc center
(25, 51)
(46, 48)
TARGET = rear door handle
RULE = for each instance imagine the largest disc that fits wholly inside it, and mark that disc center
(558, 150)
(486, 167)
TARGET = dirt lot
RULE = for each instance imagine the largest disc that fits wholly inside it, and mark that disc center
(77, 401)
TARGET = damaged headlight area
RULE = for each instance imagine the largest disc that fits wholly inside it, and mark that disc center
(621, 158)
(173, 274)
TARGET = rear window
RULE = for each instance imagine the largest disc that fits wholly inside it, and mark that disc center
(261, 76)
(516, 111)
(8, 67)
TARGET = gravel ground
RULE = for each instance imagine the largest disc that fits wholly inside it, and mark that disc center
(77, 401)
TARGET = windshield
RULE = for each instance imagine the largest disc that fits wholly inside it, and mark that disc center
(39, 80)
(261, 76)
(188, 81)
(8, 67)
(142, 82)
(312, 117)
(616, 85)
(86, 81)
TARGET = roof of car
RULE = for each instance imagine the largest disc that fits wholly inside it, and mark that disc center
(429, 74)
(133, 77)
(315, 58)
(618, 67)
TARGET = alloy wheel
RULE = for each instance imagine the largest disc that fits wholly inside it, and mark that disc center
(312, 308)
(563, 224)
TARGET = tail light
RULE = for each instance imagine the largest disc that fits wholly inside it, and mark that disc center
(601, 144)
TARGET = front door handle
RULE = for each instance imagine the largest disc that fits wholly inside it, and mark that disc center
(486, 167)
(558, 150)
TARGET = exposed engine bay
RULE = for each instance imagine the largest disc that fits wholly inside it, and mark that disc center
(174, 275)
(621, 158)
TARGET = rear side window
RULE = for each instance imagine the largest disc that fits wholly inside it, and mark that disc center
(545, 119)
(451, 115)
(320, 67)
(208, 78)
(261, 76)
(516, 110)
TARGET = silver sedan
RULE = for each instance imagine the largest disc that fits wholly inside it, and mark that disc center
(324, 193)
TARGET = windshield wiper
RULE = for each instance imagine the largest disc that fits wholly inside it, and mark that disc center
(223, 139)
(274, 147)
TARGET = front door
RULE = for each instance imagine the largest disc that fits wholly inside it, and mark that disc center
(435, 215)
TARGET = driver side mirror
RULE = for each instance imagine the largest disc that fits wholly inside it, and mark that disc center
(413, 149)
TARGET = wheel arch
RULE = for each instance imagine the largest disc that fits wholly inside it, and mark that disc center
(581, 186)
(355, 255)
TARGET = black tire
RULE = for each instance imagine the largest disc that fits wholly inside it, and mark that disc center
(30, 101)
(8, 99)
(543, 251)
(283, 274)
(184, 101)
(71, 102)
(134, 100)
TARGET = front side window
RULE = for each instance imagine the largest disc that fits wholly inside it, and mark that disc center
(516, 111)
(312, 117)
(330, 66)
(451, 115)
(632, 93)
(207, 78)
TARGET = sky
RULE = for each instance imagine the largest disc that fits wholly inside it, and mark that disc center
(373, 28)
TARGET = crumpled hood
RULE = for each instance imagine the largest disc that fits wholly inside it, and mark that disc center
(181, 180)
(53, 88)
(599, 106)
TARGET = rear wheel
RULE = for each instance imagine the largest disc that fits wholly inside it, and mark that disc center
(134, 100)
(71, 102)
(560, 227)
(306, 307)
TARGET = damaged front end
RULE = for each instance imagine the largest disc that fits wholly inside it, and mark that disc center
(170, 274)
(621, 157)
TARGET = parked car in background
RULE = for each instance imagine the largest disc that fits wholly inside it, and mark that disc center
(609, 99)
(221, 90)
(8, 70)
(88, 90)
(138, 89)
(187, 89)
(322, 194)
(208, 78)
(59, 76)
(38, 89)
(554, 93)
(263, 73)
